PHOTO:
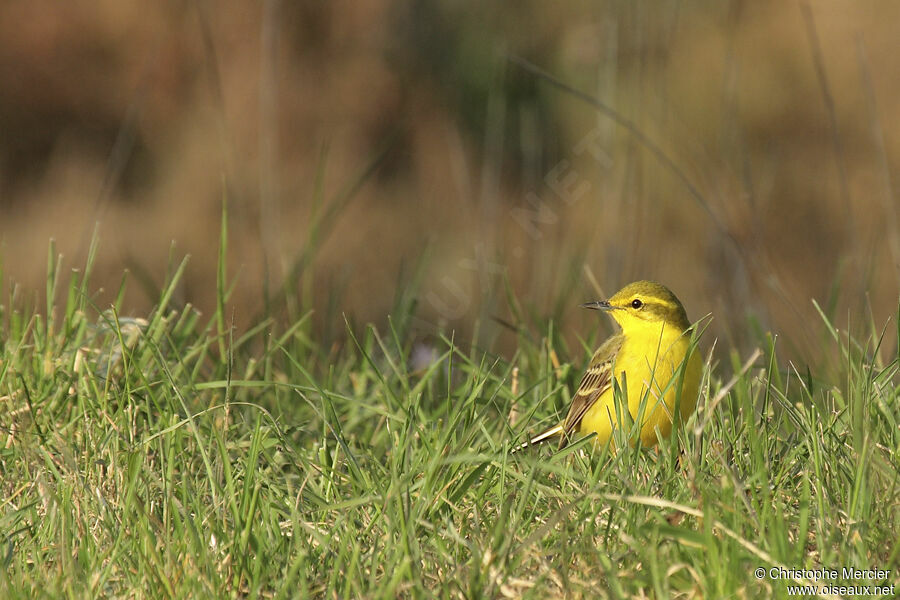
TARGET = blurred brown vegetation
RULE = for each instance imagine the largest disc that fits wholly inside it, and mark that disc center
(451, 169)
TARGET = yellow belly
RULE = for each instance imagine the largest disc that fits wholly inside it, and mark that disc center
(652, 388)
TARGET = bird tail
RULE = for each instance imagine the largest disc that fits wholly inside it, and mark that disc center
(540, 438)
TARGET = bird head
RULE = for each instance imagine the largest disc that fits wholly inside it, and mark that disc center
(643, 303)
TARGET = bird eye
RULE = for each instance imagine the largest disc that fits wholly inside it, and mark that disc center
(636, 304)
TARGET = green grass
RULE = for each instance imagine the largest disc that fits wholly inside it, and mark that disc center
(167, 457)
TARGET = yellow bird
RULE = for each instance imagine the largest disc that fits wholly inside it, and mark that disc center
(649, 365)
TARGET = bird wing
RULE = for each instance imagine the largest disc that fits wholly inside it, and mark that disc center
(596, 380)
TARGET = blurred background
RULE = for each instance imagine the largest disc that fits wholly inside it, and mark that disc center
(377, 155)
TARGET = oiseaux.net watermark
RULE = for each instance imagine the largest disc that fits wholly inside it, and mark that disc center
(843, 581)
(566, 184)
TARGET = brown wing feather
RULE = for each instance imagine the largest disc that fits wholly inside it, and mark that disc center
(596, 380)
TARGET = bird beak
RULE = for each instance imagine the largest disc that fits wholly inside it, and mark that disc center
(598, 305)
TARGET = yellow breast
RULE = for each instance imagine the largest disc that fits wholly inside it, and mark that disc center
(649, 374)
